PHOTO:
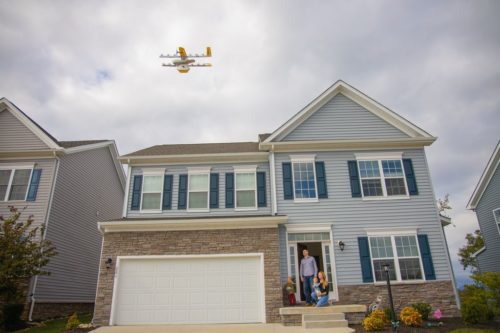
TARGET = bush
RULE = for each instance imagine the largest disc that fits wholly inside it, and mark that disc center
(388, 313)
(423, 308)
(474, 305)
(12, 317)
(73, 322)
(410, 317)
(490, 283)
(376, 321)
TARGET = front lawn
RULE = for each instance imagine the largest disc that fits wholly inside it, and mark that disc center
(54, 326)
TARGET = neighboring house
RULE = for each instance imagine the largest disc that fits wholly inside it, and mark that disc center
(68, 186)
(210, 232)
(485, 201)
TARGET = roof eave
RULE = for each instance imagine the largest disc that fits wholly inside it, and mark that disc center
(194, 158)
(485, 179)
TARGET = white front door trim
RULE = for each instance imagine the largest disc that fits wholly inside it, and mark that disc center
(189, 256)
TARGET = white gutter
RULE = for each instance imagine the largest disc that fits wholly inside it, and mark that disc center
(274, 201)
(127, 189)
(49, 208)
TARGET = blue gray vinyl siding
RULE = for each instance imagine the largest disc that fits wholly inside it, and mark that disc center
(87, 190)
(15, 136)
(489, 260)
(341, 118)
(351, 216)
(37, 208)
(221, 169)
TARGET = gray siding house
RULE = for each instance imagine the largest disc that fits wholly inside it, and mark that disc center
(68, 186)
(485, 201)
(211, 232)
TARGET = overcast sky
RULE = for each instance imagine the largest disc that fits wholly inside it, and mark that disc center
(90, 70)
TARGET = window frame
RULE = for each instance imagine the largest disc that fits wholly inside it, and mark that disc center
(198, 171)
(497, 221)
(152, 173)
(396, 257)
(13, 168)
(245, 170)
(379, 158)
(295, 159)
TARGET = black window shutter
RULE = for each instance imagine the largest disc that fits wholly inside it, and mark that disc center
(410, 176)
(321, 180)
(425, 252)
(136, 193)
(167, 192)
(354, 179)
(229, 190)
(183, 182)
(214, 190)
(33, 188)
(287, 181)
(364, 257)
(261, 189)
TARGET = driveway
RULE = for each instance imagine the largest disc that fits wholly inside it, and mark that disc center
(229, 328)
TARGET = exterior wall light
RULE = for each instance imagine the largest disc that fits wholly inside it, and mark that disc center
(109, 263)
(341, 245)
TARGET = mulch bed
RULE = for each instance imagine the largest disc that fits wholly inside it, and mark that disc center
(449, 324)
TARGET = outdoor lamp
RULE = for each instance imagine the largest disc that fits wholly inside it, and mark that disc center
(109, 262)
(341, 245)
(394, 321)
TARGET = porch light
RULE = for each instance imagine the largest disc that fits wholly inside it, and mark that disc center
(341, 245)
(394, 321)
(109, 262)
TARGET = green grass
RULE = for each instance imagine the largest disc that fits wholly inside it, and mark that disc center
(473, 330)
(54, 326)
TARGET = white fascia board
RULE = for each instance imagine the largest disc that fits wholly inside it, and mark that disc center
(195, 158)
(485, 179)
(192, 224)
(478, 252)
(358, 97)
(29, 124)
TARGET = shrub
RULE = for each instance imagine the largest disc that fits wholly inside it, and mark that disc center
(388, 313)
(376, 321)
(423, 308)
(73, 322)
(410, 317)
(12, 317)
(474, 305)
(490, 283)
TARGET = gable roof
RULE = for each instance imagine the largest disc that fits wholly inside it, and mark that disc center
(485, 179)
(197, 148)
(358, 97)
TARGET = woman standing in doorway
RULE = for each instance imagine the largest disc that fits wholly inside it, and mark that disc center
(321, 297)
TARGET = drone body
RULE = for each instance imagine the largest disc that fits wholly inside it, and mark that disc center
(183, 61)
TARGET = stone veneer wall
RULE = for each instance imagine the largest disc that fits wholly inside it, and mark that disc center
(191, 242)
(439, 294)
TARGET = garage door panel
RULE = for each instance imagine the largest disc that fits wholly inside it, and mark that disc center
(189, 290)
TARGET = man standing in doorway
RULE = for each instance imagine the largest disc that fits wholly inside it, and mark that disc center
(308, 270)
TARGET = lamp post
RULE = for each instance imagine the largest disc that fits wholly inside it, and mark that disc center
(394, 322)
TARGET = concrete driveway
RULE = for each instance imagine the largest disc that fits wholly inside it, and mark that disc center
(229, 328)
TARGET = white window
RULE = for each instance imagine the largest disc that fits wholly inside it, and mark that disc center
(496, 214)
(152, 190)
(382, 177)
(402, 255)
(14, 182)
(245, 188)
(198, 189)
(304, 178)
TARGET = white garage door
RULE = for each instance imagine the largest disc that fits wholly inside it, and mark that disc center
(188, 290)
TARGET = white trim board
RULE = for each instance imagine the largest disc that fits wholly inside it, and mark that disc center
(485, 179)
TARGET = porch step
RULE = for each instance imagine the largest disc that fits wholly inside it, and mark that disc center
(333, 320)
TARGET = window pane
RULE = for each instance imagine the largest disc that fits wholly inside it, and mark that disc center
(305, 186)
(392, 168)
(372, 187)
(153, 183)
(369, 169)
(245, 181)
(406, 246)
(19, 184)
(4, 182)
(381, 247)
(151, 200)
(410, 269)
(395, 186)
(378, 266)
(198, 182)
(245, 199)
(198, 200)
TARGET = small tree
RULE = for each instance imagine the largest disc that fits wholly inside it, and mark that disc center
(23, 254)
(474, 243)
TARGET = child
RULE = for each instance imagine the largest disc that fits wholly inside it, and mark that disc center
(290, 289)
(316, 289)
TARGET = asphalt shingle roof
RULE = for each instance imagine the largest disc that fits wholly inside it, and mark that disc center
(199, 148)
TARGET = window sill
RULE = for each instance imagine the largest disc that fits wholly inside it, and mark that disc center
(150, 211)
(305, 200)
(399, 197)
(242, 209)
(204, 210)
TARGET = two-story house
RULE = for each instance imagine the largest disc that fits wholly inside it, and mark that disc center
(68, 186)
(210, 232)
(485, 201)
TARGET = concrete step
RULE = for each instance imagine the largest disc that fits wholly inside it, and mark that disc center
(320, 316)
(324, 324)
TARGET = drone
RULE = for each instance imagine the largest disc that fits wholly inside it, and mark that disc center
(183, 61)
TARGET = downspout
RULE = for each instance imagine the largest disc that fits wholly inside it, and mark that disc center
(274, 200)
(54, 180)
(127, 188)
